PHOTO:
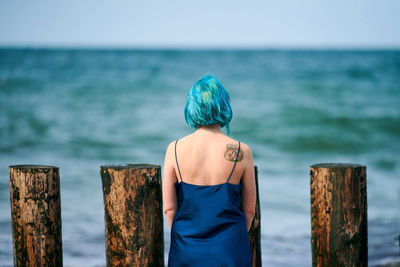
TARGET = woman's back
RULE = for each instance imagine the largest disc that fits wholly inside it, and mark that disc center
(209, 227)
(207, 159)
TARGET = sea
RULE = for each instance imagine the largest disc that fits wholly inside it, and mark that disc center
(80, 108)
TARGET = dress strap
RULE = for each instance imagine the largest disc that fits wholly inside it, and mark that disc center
(176, 158)
(235, 162)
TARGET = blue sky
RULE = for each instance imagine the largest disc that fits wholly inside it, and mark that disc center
(206, 23)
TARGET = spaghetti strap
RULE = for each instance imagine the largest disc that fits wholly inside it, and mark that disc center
(176, 158)
(237, 155)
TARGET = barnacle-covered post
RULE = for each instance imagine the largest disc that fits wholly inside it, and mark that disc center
(133, 215)
(255, 229)
(339, 214)
(36, 215)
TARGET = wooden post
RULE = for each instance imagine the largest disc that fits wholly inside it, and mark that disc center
(133, 215)
(36, 215)
(339, 215)
(255, 229)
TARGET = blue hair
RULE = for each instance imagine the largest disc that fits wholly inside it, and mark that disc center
(208, 103)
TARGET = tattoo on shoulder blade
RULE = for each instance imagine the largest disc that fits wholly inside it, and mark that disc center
(231, 152)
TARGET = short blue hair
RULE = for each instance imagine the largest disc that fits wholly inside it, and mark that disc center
(208, 103)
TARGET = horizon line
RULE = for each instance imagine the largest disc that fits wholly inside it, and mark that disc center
(198, 47)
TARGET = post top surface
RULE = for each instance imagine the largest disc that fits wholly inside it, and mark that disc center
(130, 166)
(336, 165)
(32, 166)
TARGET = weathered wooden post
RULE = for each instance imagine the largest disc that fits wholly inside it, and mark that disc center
(36, 215)
(255, 229)
(133, 215)
(339, 214)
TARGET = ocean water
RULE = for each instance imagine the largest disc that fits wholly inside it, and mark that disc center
(79, 109)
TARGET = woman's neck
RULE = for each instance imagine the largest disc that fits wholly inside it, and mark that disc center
(211, 128)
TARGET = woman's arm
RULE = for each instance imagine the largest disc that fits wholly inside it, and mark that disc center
(249, 193)
(168, 187)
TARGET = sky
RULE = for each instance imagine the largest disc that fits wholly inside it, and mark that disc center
(206, 23)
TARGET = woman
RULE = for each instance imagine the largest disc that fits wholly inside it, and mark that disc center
(209, 191)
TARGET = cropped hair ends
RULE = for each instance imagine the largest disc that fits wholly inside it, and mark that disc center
(208, 102)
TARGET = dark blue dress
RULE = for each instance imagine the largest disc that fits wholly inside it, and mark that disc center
(209, 227)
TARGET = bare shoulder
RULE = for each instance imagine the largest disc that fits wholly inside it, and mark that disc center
(246, 150)
(170, 148)
(231, 151)
(170, 145)
(235, 144)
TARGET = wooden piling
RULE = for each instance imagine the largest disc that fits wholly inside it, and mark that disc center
(339, 214)
(36, 215)
(133, 215)
(255, 229)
